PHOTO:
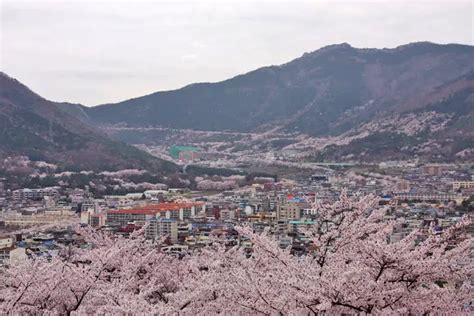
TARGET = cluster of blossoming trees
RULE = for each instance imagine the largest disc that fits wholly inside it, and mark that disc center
(207, 185)
(354, 269)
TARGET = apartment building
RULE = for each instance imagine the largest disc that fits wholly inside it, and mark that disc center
(292, 208)
(463, 185)
(227, 215)
(9, 252)
(32, 194)
(162, 228)
(175, 211)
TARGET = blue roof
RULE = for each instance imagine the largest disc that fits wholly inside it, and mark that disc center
(302, 222)
(297, 200)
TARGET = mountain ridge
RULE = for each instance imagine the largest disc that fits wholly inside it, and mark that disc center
(280, 77)
(346, 94)
(324, 48)
(329, 92)
(41, 130)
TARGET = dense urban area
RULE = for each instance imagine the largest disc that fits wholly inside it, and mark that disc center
(428, 196)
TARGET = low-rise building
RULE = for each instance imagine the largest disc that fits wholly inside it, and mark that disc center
(32, 194)
(463, 185)
(176, 211)
(36, 219)
(227, 215)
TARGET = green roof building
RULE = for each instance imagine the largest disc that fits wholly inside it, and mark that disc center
(178, 152)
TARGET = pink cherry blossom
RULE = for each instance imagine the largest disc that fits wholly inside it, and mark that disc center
(351, 268)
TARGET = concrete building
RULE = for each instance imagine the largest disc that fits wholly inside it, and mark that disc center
(9, 255)
(291, 208)
(227, 215)
(433, 170)
(463, 185)
(176, 211)
(427, 197)
(121, 218)
(9, 252)
(90, 218)
(155, 194)
(160, 228)
(118, 201)
(403, 186)
(296, 226)
(32, 194)
(6, 241)
(36, 219)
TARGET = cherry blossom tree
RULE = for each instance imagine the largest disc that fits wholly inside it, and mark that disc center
(352, 268)
(217, 185)
(114, 275)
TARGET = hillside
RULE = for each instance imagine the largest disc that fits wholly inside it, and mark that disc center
(39, 129)
(312, 94)
(337, 91)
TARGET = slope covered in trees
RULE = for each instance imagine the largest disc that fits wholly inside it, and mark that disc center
(412, 101)
(325, 92)
(39, 129)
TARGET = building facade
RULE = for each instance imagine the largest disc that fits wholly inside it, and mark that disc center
(162, 228)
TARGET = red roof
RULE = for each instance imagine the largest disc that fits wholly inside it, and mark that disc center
(152, 209)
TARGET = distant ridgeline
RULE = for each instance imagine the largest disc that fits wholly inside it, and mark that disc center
(415, 100)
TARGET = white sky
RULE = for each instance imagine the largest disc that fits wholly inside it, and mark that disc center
(94, 52)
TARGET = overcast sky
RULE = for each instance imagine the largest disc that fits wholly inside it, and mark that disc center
(94, 52)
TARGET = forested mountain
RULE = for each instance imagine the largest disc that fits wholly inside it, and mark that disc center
(325, 92)
(416, 100)
(41, 130)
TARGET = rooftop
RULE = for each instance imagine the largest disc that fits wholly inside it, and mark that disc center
(152, 209)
